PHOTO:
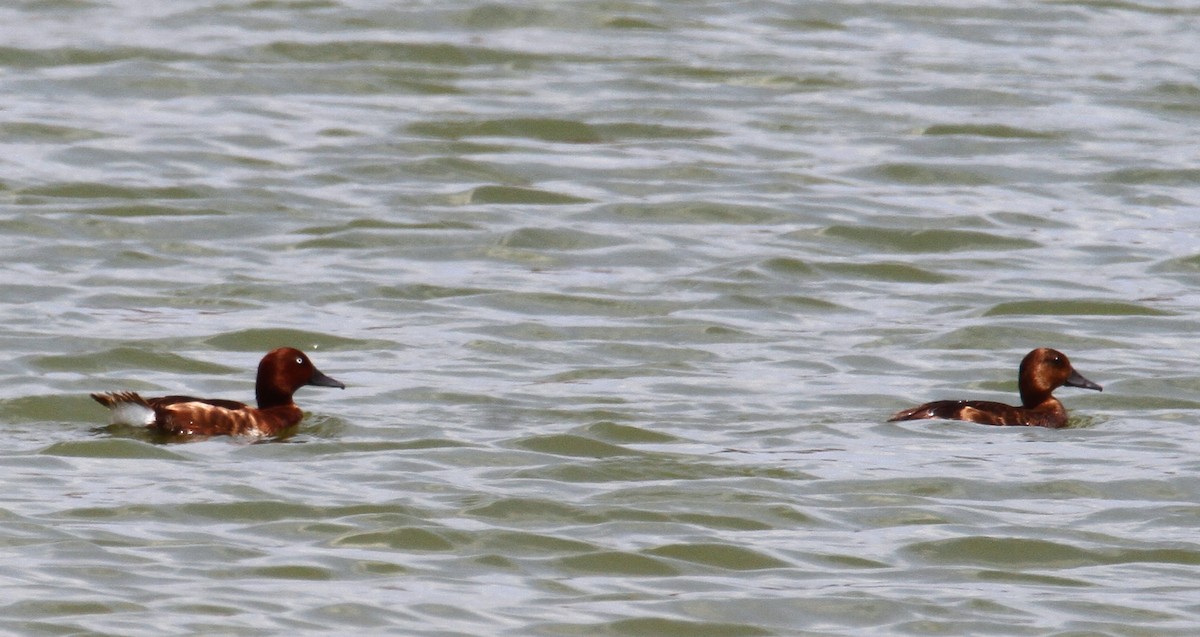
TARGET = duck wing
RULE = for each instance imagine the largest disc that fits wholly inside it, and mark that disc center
(984, 412)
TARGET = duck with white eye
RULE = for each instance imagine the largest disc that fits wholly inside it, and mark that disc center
(280, 373)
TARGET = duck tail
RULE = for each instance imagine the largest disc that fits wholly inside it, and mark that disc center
(128, 408)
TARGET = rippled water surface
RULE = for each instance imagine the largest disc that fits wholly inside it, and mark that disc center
(623, 294)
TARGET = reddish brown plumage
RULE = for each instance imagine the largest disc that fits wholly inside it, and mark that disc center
(1042, 371)
(280, 373)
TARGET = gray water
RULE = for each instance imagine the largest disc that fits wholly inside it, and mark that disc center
(623, 294)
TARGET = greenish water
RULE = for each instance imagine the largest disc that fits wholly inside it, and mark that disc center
(622, 294)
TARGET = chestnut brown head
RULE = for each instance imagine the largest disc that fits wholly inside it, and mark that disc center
(282, 371)
(1042, 371)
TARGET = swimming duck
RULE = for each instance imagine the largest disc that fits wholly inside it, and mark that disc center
(280, 373)
(1042, 371)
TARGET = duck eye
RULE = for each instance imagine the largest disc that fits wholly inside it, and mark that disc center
(299, 361)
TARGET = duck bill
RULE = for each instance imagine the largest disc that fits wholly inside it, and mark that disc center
(1077, 380)
(324, 381)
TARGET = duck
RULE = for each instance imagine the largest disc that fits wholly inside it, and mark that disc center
(1042, 371)
(280, 373)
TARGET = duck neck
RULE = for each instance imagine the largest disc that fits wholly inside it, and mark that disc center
(266, 394)
(1031, 398)
(269, 399)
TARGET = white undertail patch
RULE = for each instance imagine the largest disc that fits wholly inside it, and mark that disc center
(134, 414)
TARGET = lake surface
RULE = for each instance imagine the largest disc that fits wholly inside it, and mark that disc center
(623, 294)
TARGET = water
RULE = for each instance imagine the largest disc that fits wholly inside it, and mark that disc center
(622, 294)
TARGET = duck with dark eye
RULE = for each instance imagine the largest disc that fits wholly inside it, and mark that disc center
(280, 373)
(1042, 371)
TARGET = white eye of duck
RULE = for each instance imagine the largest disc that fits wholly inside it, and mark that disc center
(299, 361)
